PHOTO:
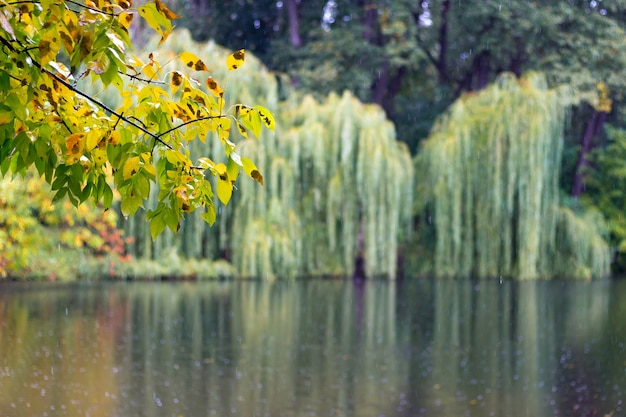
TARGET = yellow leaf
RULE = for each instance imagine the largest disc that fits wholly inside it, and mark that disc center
(131, 167)
(166, 33)
(193, 62)
(125, 19)
(224, 186)
(214, 87)
(256, 175)
(49, 46)
(74, 143)
(115, 137)
(235, 60)
(266, 117)
(241, 110)
(177, 80)
(242, 130)
(165, 11)
(93, 137)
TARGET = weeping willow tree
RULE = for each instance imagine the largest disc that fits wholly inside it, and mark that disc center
(338, 186)
(489, 175)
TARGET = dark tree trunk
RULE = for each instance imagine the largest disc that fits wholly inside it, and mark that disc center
(381, 84)
(294, 24)
(369, 21)
(593, 128)
(442, 66)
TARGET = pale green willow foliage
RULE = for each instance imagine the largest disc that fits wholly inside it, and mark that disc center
(337, 184)
(490, 170)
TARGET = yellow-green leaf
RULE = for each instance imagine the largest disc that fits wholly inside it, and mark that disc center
(251, 170)
(266, 117)
(49, 46)
(210, 215)
(235, 60)
(131, 167)
(193, 62)
(242, 130)
(224, 189)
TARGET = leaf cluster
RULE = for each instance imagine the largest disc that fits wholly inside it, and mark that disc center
(53, 50)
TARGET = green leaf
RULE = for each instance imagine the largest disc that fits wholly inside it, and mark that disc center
(171, 219)
(157, 225)
(209, 215)
(130, 205)
(232, 169)
(107, 198)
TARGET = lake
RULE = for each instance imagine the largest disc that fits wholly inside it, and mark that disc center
(431, 348)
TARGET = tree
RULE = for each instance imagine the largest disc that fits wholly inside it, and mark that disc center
(338, 188)
(53, 51)
(489, 175)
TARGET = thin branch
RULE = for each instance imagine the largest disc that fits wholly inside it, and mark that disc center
(19, 2)
(105, 107)
(190, 122)
(87, 96)
(145, 80)
(91, 8)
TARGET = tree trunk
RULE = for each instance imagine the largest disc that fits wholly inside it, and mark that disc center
(593, 128)
(369, 21)
(294, 24)
(442, 66)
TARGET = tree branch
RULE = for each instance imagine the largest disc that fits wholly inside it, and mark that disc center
(190, 122)
(91, 8)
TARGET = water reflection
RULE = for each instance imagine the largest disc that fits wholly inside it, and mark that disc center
(315, 348)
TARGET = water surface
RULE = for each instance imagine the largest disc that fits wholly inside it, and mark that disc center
(313, 348)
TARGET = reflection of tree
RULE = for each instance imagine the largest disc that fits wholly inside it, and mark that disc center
(58, 353)
(433, 348)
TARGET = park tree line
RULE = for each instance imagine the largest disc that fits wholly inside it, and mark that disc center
(501, 112)
(415, 58)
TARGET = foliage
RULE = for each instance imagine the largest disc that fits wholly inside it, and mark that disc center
(53, 51)
(44, 239)
(426, 53)
(606, 190)
(337, 186)
(491, 165)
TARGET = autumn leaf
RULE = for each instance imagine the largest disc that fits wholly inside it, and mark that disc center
(214, 87)
(162, 8)
(74, 143)
(266, 117)
(235, 60)
(193, 62)
(177, 80)
(125, 19)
